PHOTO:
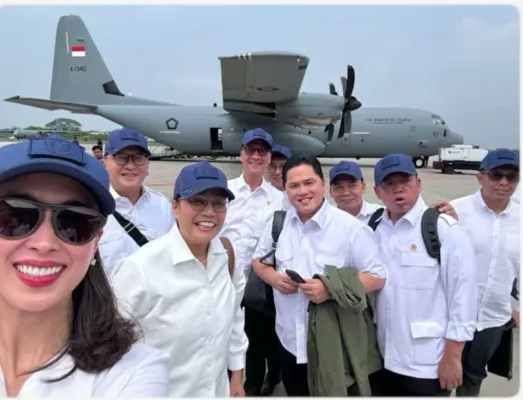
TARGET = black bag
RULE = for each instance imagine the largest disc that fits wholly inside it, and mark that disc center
(258, 295)
(131, 229)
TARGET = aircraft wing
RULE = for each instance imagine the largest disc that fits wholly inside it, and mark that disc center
(52, 105)
(255, 82)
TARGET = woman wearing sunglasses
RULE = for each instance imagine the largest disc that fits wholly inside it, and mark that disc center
(60, 332)
(185, 296)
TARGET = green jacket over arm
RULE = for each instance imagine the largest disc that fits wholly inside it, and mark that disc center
(342, 348)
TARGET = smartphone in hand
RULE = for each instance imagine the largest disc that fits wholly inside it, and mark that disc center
(294, 276)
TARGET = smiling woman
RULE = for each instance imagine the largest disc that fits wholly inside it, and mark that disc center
(60, 331)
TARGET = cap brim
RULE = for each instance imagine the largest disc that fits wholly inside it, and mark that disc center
(396, 170)
(202, 188)
(346, 174)
(124, 146)
(262, 139)
(503, 164)
(102, 194)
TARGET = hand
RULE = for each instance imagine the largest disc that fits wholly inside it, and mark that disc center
(237, 389)
(446, 208)
(315, 290)
(450, 371)
(515, 317)
(284, 284)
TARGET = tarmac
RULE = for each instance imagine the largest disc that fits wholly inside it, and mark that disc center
(435, 186)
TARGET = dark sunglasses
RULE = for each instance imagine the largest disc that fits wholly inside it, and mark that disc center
(251, 150)
(122, 159)
(75, 225)
(199, 203)
(496, 176)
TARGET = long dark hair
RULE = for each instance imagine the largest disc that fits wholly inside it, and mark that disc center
(99, 335)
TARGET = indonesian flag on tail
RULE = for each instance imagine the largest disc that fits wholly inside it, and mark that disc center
(78, 51)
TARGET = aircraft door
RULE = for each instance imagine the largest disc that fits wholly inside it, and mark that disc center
(216, 139)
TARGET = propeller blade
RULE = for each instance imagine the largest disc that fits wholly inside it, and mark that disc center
(332, 89)
(349, 84)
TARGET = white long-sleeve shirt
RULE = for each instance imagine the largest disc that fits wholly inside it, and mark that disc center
(331, 237)
(151, 214)
(247, 216)
(140, 373)
(423, 303)
(191, 311)
(496, 241)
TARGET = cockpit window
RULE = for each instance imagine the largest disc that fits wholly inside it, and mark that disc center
(436, 120)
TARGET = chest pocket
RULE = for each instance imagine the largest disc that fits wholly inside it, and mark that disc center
(283, 258)
(512, 248)
(418, 271)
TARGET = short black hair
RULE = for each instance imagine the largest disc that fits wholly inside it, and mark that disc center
(298, 160)
(96, 147)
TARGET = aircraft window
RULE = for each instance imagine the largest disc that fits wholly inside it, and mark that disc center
(437, 120)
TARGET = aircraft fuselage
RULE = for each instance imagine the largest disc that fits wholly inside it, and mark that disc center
(376, 131)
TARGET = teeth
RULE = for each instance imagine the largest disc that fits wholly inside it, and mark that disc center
(206, 224)
(34, 271)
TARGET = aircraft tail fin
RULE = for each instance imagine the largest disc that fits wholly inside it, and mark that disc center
(79, 71)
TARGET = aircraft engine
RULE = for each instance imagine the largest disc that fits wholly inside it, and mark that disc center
(351, 104)
(300, 143)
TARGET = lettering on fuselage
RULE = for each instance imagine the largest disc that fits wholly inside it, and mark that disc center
(388, 121)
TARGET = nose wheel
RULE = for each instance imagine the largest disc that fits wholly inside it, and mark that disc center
(420, 162)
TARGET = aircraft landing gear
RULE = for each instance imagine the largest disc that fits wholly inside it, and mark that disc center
(420, 162)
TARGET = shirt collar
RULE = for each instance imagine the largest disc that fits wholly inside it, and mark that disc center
(479, 198)
(243, 185)
(320, 218)
(145, 193)
(181, 253)
(412, 215)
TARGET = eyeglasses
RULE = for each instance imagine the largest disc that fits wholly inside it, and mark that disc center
(76, 225)
(199, 203)
(122, 158)
(251, 150)
(275, 167)
(497, 176)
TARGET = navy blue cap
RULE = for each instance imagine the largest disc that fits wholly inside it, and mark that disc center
(119, 139)
(497, 158)
(391, 164)
(255, 134)
(284, 151)
(200, 176)
(345, 168)
(58, 156)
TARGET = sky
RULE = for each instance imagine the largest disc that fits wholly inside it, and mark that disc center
(461, 62)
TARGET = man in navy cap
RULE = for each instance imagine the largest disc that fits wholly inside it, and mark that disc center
(427, 310)
(280, 154)
(492, 218)
(249, 213)
(141, 214)
(347, 187)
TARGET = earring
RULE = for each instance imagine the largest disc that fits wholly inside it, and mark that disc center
(93, 262)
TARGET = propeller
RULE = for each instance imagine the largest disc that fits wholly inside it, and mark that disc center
(350, 104)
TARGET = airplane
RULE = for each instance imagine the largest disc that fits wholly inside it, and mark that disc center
(21, 134)
(259, 90)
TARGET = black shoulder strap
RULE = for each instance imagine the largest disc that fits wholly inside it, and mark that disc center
(131, 229)
(373, 221)
(429, 232)
(277, 226)
(515, 292)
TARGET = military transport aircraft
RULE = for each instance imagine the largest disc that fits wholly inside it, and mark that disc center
(259, 89)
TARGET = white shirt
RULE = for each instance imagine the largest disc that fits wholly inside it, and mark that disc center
(142, 372)
(151, 214)
(496, 241)
(191, 311)
(285, 204)
(423, 303)
(331, 237)
(516, 195)
(247, 216)
(366, 211)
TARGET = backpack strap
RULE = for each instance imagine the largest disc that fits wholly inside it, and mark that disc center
(429, 232)
(230, 253)
(130, 229)
(277, 226)
(374, 218)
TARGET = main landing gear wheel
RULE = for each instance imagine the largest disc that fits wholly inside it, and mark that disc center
(419, 162)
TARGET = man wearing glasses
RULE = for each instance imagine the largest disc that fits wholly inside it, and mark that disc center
(141, 214)
(247, 216)
(491, 218)
(279, 155)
